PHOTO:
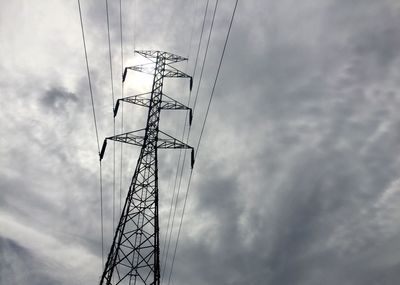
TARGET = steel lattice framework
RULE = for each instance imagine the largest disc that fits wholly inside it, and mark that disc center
(134, 257)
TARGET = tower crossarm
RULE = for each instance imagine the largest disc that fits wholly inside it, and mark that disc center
(169, 57)
(173, 72)
(166, 104)
(130, 138)
(167, 141)
(133, 138)
(148, 68)
(172, 104)
(139, 99)
(164, 141)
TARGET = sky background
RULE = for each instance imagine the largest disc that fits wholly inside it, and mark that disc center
(297, 180)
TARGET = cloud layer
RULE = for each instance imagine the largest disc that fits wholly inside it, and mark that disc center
(297, 179)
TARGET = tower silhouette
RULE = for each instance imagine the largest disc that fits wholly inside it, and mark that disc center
(134, 257)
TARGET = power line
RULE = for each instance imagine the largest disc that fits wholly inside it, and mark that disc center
(191, 31)
(121, 38)
(113, 103)
(121, 164)
(122, 109)
(134, 24)
(197, 92)
(110, 54)
(201, 37)
(205, 55)
(97, 133)
(169, 230)
(89, 79)
(101, 214)
(201, 134)
(216, 77)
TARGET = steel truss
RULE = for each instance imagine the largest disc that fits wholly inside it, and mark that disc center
(134, 257)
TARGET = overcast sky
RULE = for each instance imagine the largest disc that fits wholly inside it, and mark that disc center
(298, 177)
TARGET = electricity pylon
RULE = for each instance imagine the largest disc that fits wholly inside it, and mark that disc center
(134, 257)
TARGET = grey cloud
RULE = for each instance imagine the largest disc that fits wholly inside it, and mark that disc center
(57, 99)
(296, 178)
(317, 136)
(18, 264)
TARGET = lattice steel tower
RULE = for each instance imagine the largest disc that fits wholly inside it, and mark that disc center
(134, 257)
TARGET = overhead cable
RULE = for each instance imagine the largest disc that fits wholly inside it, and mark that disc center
(201, 134)
(97, 133)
